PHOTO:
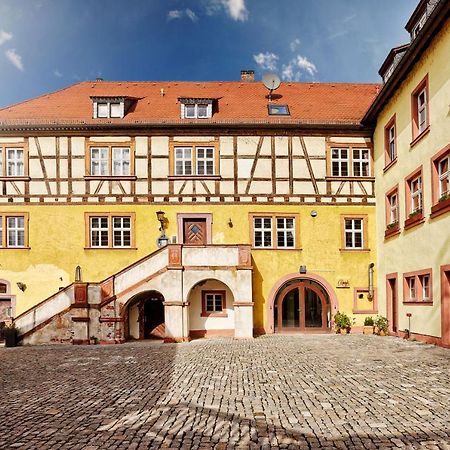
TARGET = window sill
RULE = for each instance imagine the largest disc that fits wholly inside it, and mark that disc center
(440, 208)
(194, 177)
(110, 248)
(391, 232)
(412, 222)
(353, 250)
(365, 311)
(22, 178)
(110, 177)
(277, 248)
(347, 178)
(389, 165)
(418, 303)
(419, 137)
(15, 248)
(205, 314)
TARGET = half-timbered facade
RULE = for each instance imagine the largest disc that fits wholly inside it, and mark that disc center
(265, 209)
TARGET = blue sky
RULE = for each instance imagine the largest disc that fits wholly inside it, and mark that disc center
(48, 44)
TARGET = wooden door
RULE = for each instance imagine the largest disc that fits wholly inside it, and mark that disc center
(392, 306)
(195, 232)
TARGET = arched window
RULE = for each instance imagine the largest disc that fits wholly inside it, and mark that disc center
(3, 288)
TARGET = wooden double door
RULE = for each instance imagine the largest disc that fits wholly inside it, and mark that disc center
(301, 307)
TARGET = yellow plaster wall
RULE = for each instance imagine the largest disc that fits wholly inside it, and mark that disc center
(57, 241)
(428, 245)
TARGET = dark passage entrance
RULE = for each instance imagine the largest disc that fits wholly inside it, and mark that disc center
(153, 316)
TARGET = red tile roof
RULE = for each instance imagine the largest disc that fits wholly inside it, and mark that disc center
(238, 103)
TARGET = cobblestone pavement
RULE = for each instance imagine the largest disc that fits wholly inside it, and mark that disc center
(304, 391)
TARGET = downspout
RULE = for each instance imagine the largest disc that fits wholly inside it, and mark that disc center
(370, 274)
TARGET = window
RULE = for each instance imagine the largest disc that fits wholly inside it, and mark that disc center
(12, 160)
(440, 182)
(390, 141)
(414, 198)
(106, 160)
(214, 303)
(285, 232)
(110, 230)
(108, 107)
(419, 26)
(420, 120)
(416, 194)
(194, 159)
(361, 162)
(349, 161)
(392, 216)
(354, 232)
(267, 227)
(14, 230)
(196, 108)
(417, 286)
(278, 110)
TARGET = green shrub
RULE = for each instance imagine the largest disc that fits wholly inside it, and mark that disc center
(368, 322)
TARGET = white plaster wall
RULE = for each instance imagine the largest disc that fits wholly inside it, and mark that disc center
(210, 256)
(197, 322)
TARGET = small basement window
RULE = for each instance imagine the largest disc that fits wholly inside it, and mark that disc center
(278, 110)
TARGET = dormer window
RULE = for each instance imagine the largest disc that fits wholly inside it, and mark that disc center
(196, 108)
(109, 107)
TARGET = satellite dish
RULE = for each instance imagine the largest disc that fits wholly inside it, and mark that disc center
(271, 81)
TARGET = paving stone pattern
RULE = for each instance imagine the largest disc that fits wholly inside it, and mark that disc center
(274, 392)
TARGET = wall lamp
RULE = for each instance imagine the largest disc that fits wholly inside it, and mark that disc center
(21, 286)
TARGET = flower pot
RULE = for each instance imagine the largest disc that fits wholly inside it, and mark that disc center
(343, 330)
(92, 341)
(368, 329)
(10, 339)
(381, 333)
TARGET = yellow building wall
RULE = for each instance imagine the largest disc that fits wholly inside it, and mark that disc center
(427, 245)
(57, 246)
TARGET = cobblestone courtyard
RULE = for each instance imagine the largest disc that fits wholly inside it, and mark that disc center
(305, 391)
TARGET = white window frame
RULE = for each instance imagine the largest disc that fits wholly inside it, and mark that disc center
(444, 177)
(108, 106)
(100, 229)
(422, 111)
(412, 288)
(342, 162)
(120, 161)
(15, 165)
(360, 161)
(391, 143)
(265, 230)
(416, 194)
(393, 207)
(353, 232)
(198, 110)
(205, 160)
(216, 297)
(122, 230)
(425, 283)
(15, 232)
(184, 159)
(103, 157)
(284, 231)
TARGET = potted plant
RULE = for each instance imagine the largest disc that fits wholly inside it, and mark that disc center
(368, 325)
(415, 213)
(11, 334)
(342, 322)
(93, 340)
(391, 226)
(381, 326)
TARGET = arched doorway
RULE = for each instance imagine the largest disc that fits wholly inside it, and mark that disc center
(145, 316)
(302, 305)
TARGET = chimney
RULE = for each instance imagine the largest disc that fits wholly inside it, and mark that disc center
(247, 75)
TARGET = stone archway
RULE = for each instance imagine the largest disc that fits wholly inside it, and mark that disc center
(287, 285)
(144, 316)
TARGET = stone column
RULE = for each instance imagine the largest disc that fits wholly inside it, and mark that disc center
(243, 319)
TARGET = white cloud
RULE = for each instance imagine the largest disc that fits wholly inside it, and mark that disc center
(180, 14)
(294, 44)
(5, 36)
(303, 64)
(267, 60)
(14, 58)
(57, 73)
(235, 9)
(294, 69)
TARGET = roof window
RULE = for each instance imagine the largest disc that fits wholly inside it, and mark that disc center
(108, 107)
(278, 110)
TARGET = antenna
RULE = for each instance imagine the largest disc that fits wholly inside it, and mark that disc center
(271, 81)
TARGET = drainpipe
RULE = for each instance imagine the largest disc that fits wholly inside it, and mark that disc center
(370, 273)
